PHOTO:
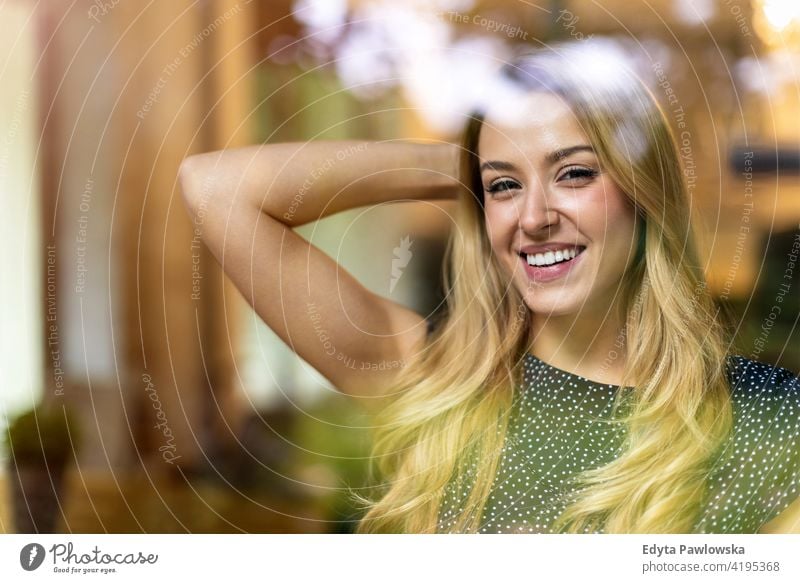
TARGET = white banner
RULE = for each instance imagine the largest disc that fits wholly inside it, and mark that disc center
(349, 558)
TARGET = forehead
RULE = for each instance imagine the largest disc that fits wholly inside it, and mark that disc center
(529, 125)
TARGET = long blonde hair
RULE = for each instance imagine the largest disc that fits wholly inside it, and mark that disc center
(455, 397)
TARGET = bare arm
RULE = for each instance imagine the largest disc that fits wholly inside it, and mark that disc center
(245, 203)
(787, 522)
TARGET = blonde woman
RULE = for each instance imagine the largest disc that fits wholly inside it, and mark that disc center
(581, 380)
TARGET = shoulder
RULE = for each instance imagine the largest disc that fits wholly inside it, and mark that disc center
(763, 457)
(766, 414)
(760, 386)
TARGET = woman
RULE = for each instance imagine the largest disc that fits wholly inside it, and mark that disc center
(581, 380)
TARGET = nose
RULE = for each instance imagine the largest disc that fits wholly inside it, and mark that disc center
(536, 214)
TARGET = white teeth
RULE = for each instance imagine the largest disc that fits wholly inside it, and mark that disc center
(550, 257)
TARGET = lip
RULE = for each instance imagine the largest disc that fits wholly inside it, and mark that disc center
(551, 272)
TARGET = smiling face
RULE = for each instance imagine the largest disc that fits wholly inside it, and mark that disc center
(556, 221)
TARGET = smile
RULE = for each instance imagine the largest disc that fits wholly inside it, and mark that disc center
(551, 264)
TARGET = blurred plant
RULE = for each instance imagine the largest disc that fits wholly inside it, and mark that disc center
(42, 435)
(40, 442)
(335, 438)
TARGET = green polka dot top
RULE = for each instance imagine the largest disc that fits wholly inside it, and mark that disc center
(559, 427)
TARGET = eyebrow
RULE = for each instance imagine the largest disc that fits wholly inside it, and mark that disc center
(552, 158)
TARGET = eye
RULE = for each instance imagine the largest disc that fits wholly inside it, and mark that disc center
(578, 175)
(501, 185)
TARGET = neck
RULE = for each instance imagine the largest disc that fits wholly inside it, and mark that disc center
(590, 344)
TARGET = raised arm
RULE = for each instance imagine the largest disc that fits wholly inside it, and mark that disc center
(245, 203)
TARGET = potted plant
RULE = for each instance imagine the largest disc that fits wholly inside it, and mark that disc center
(40, 442)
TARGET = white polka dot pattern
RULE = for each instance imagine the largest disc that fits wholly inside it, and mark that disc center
(561, 425)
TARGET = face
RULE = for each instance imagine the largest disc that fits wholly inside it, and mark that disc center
(557, 222)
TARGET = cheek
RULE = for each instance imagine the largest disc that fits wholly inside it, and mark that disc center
(497, 227)
(500, 233)
(615, 222)
(622, 219)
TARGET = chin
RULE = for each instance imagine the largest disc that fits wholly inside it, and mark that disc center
(554, 310)
(557, 306)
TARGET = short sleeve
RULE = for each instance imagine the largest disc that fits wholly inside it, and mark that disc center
(759, 474)
(780, 450)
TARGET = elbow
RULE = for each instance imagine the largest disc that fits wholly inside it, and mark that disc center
(213, 179)
(188, 180)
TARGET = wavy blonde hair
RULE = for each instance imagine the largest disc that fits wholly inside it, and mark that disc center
(455, 397)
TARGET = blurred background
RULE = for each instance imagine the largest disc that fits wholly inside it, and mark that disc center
(139, 391)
